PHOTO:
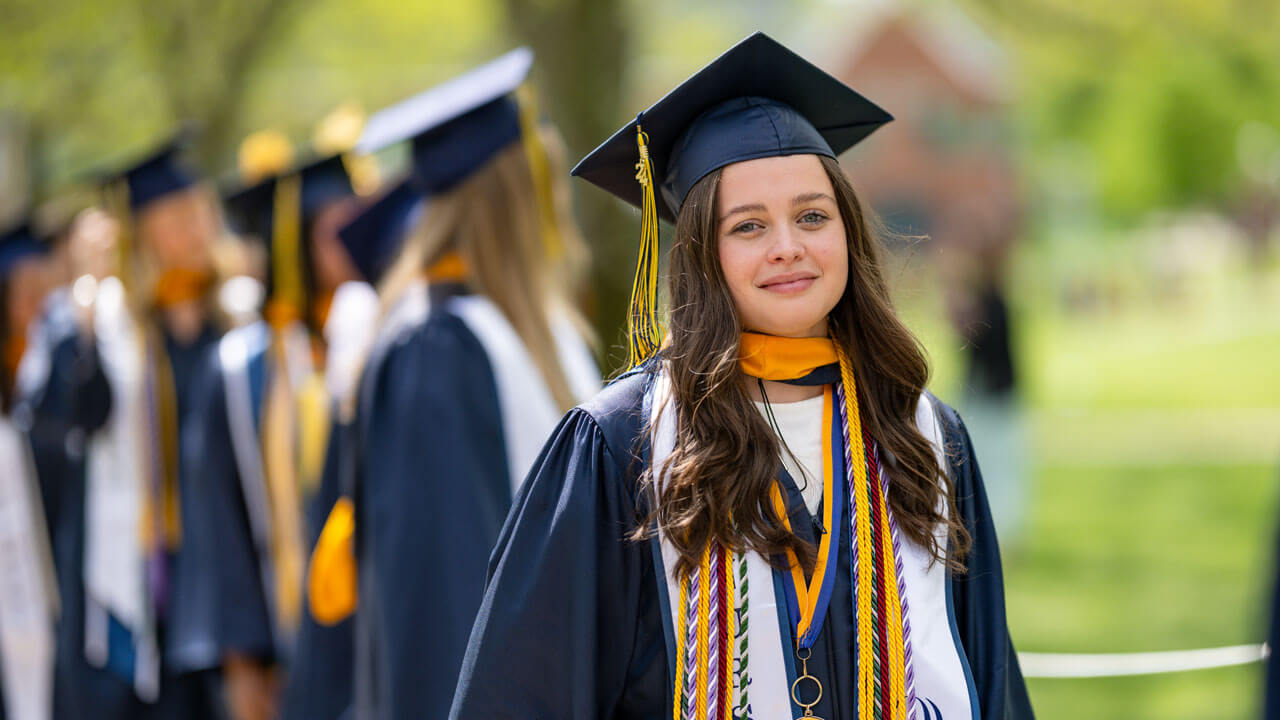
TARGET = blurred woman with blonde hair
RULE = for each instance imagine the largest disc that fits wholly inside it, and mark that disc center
(479, 355)
(124, 386)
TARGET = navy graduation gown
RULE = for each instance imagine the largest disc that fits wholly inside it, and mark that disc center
(228, 610)
(432, 492)
(321, 674)
(571, 624)
(76, 402)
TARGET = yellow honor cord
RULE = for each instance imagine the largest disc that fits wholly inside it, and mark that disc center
(643, 334)
(704, 628)
(678, 704)
(861, 510)
(160, 522)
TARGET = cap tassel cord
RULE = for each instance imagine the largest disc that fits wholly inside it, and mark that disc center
(539, 167)
(286, 260)
(643, 334)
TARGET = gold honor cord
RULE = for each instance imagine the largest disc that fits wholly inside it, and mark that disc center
(643, 334)
(540, 168)
(868, 659)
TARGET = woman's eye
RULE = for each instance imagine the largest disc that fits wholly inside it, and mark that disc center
(747, 227)
(813, 218)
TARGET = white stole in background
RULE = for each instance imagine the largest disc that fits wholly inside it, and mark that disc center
(29, 602)
(116, 465)
(529, 413)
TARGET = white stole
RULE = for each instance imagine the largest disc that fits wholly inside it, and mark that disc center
(29, 602)
(116, 464)
(349, 331)
(941, 676)
(236, 350)
(529, 413)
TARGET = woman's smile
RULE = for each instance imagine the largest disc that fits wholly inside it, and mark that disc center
(792, 283)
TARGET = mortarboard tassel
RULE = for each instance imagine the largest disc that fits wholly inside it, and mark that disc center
(332, 577)
(540, 169)
(643, 334)
(286, 260)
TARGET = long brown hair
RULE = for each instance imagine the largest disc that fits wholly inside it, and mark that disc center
(725, 459)
(492, 219)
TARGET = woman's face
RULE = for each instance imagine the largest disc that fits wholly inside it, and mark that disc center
(782, 244)
(179, 229)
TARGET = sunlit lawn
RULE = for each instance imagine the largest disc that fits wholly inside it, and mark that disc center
(1125, 559)
(1155, 498)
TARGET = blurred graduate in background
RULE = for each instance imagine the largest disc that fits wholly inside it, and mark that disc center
(29, 604)
(321, 675)
(123, 386)
(257, 445)
(479, 354)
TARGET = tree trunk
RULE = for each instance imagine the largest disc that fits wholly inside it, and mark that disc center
(581, 48)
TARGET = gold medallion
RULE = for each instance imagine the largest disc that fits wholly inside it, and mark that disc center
(804, 675)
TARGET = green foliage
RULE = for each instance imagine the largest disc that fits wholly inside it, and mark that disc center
(1156, 91)
(100, 82)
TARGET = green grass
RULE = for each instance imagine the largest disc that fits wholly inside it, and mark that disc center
(1154, 423)
(1221, 694)
(1140, 559)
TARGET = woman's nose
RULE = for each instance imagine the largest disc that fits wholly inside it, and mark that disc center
(786, 246)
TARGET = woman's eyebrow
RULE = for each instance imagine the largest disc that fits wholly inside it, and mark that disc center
(753, 207)
(810, 197)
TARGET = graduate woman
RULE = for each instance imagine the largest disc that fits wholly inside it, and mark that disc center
(771, 517)
(151, 326)
(321, 672)
(478, 358)
(257, 444)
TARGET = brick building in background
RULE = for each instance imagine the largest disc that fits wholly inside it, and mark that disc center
(948, 155)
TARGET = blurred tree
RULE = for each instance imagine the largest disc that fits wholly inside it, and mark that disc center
(1157, 91)
(203, 55)
(98, 81)
(582, 49)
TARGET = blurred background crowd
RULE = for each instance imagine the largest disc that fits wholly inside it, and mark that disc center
(1082, 201)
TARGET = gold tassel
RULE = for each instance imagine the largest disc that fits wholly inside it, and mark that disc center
(286, 256)
(540, 168)
(643, 334)
(332, 576)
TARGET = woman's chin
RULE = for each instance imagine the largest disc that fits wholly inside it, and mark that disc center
(794, 328)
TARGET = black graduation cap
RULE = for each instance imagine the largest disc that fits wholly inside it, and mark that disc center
(16, 243)
(158, 174)
(322, 181)
(455, 127)
(373, 237)
(759, 99)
